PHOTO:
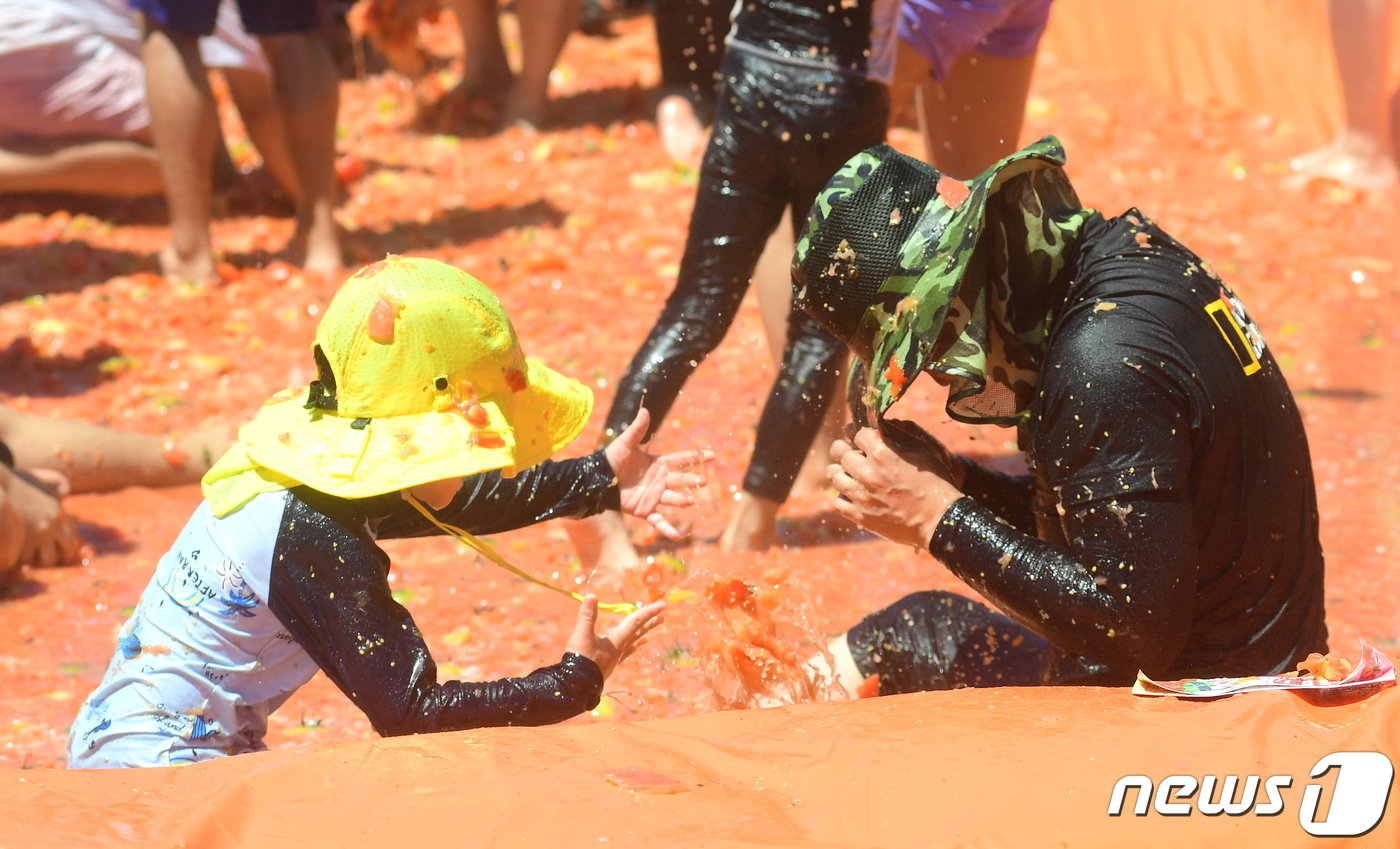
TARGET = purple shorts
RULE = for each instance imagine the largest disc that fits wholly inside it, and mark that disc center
(943, 30)
(260, 17)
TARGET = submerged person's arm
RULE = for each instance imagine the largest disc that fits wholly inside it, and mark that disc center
(329, 588)
(1115, 448)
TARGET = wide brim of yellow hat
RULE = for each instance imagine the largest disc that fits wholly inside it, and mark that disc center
(358, 458)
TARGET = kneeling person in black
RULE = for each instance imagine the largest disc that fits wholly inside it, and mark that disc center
(1168, 522)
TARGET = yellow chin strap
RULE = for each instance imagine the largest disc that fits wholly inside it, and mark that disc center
(620, 607)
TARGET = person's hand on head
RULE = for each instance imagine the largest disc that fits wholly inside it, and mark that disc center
(619, 641)
(923, 449)
(899, 494)
(648, 482)
(50, 536)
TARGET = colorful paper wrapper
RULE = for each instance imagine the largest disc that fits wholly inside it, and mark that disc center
(1370, 675)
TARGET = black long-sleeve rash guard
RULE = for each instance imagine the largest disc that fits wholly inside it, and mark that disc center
(329, 587)
(1172, 492)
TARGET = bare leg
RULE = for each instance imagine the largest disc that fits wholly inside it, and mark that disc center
(307, 89)
(690, 46)
(484, 60)
(104, 167)
(604, 549)
(185, 128)
(252, 94)
(773, 283)
(974, 118)
(1361, 154)
(93, 458)
(683, 135)
(841, 670)
(486, 75)
(752, 526)
(838, 673)
(545, 26)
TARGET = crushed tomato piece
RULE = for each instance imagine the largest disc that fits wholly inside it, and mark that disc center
(894, 373)
(381, 319)
(1328, 667)
(488, 439)
(175, 455)
(953, 192)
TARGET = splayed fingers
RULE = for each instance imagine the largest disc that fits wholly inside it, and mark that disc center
(619, 641)
(648, 482)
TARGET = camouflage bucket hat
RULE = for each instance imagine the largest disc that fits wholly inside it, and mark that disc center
(889, 261)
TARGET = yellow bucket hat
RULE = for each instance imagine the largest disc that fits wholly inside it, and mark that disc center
(420, 378)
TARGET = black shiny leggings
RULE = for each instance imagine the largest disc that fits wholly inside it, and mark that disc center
(781, 130)
(937, 640)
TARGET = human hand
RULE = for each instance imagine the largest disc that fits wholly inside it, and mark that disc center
(913, 441)
(48, 536)
(619, 641)
(647, 482)
(895, 493)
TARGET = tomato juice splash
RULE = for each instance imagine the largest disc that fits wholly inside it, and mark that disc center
(752, 633)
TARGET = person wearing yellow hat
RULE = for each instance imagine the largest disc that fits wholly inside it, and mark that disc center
(425, 416)
(1167, 520)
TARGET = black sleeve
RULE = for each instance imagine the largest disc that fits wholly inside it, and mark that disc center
(1113, 442)
(489, 503)
(1009, 496)
(329, 587)
(1116, 594)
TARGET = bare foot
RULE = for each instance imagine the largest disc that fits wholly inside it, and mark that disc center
(683, 135)
(1352, 161)
(604, 549)
(522, 113)
(199, 268)
(834, 675)
(753, 525)
(47, 536)
(812, 478)
(473, 104)
(326, 263)
(315, 247)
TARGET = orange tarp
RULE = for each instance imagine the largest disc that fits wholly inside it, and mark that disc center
(984, 768)
(1273, 57)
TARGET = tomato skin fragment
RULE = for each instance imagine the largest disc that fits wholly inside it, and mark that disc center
(894, 373)
(381, 320)
(349, 168)
(475, 413)
(869, 688)
(488, 439)
(953, 192)
(175, 456)
(1325, 667)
